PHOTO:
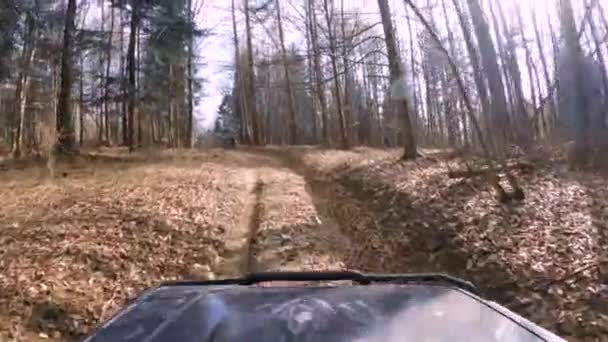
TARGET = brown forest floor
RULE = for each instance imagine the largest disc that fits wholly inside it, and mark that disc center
(76, 248)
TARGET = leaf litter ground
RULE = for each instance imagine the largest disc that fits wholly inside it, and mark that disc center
(75, 249)
(546, 257)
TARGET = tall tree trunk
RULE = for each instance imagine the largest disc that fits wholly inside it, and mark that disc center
(108, 64)
(529, 66)
(23, 81)
(318, 73)
(414, 73)
(539, 110)
(134, 25)
(500, 120)
(480, 82)
(123, 85)
(293, 132)
(524, 133)
(334, 66)
(397, 76)
(81, 102)
(376, 100)
(174, 122)
(600, 55)
(430, 116)
(65, 126)
(556, 51)
(504, 59)
(138, 89)
(251, 98)
(103, 120)
(545, 68)
(311, 73)
(452, 45)
(189, 129)
(24, 136)
(366, 132)
(347, 108)
(240, 98)
(573, 111)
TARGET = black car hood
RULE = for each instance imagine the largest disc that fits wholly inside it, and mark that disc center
(351, 313)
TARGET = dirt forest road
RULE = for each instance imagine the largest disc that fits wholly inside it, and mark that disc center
(285, 224)
(75, 249)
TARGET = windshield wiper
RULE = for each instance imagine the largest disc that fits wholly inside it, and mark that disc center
(356, 277)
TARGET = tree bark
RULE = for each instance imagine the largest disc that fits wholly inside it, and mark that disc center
(131, 62)
(293, 132)
(80, 102)
(240, 100)
(23, 104)
(600, 55)
(65, 126)
(174, 122)
(500, 119)
(454, 103)
(23, 82)
(189, 128)
(529, 66)
(108, 64)
(573, 107)
(397, 76)
(123, 85)
(318, 74)
(545, 68)
(475, 64)
(138, 88)
(311, 73)
(524, 133)
(414, 73)
(504, 63)
(334, 66)
(251, 98)
(346, 44)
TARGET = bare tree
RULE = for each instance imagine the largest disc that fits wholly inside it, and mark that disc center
(545, 67)
(190, 76)
(65, 128)
(524, 133)
(329, 11)
(292, 114)
(598, 43)
(23, 84)
(317, 70)
(574, 120)
(531, 69)
(500, 113)
(398, 77)
(240, 100)
(251, 98)
(108, 64)
(134, 25)
(414, 70)
(480, 82)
